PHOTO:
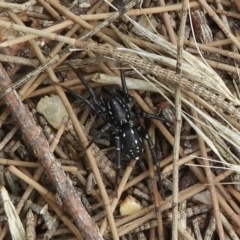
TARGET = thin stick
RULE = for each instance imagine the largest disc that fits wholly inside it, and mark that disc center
(228, 14)
(19, 60)
(110, 19)
(156, 195)
(27, 37)
(19, 163)
(49, 9)
(168, 24)
(20, 7)
(137, 12)
(178, 107)
(209, 178)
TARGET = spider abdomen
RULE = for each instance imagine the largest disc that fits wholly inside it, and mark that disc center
(131, 142)
(118, 111)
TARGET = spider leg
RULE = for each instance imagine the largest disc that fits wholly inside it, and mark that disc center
(85, 83)
(123, 80)
(143, 114)
(98, 135)
(146, 136)
(126, 95)
(118, 160)
(103, 129)
(92, 106)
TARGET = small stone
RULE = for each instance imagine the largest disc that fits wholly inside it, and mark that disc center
(129, 206)
(53, 110)
(203, 198)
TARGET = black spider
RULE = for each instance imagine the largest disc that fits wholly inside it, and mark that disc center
(116, 111)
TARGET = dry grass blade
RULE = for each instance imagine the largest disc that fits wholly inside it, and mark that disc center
(207, 77)
(14, 222)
